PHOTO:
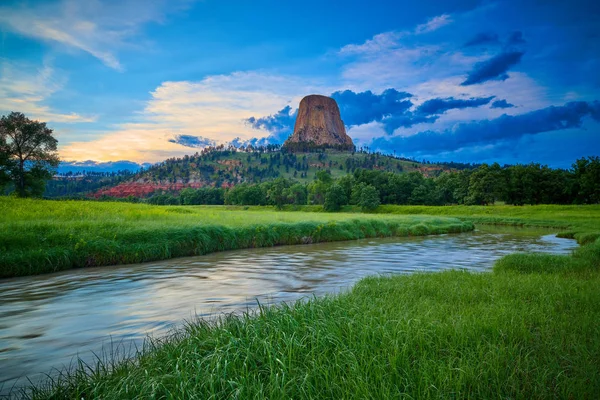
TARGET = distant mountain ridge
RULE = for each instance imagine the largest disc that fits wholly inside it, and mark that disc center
(98, 166)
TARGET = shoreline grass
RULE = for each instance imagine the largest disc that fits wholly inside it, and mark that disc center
(526, 330)
(517, 332)
(580, 222)
(38, 236)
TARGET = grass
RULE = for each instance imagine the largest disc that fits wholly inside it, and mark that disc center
(585, 260)
(520, 332)
(555, 216)
(579, 222)
(527, 330)
(39, 236)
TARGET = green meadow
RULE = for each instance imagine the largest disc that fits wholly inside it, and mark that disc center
(38, 236)
(528, 329)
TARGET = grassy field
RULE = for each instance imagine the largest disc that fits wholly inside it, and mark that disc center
(39, 236)
(581, 222)
(529, 330)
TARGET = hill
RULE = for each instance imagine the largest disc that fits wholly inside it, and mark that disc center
(226, 168)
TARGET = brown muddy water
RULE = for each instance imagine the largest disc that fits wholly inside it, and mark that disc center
(48, 321)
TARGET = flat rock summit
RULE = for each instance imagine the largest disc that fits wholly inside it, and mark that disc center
(319, 124)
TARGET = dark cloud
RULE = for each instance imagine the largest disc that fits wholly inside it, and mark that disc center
(515, 38)
(364, 107)
(391, 108)
(502, 104)
(280, 125)
(192, 141)
(439, 106)
(283, 120)
(238, 142)
(595, 110)
(482, 38)
(485, 132)
(256, 142)
(408, 119)
(493, 69)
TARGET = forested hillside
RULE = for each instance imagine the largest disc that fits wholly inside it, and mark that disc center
(218, 167)
(270, 176)
(80, 183)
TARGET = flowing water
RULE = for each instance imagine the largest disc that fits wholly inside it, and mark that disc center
(48, 321)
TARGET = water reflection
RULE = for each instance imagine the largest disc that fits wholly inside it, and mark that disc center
(47, 320)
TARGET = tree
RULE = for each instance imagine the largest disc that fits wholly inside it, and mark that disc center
(425, 194)
(484, 184)
(347, 182)
(446, 184)
(324, 176)
(318, 188)
(335, 198)
(4, 164)
(357, 190)
(276, 194)
(296, 194)
(27, 153)
(369, 198)
(587, 174)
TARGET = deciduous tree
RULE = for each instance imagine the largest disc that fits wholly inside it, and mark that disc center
(27, 153)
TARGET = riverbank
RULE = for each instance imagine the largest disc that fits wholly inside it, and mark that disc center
(581, 222)
(38, 236)
(527, 330)
(580, 219)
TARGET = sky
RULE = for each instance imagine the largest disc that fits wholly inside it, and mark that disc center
(457, 80)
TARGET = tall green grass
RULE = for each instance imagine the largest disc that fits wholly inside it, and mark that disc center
(582, 217)
(584, 259)
(580, 222)
(527, 330)
(39, 236)
(445, 335)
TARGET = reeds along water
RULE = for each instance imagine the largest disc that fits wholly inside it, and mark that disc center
(448, 334)
(44, 236)
(523, 331)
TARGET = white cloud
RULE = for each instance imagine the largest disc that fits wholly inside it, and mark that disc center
(397, 66)
(380, 42)
(96, 27)
(214, 107)
(363, 134)
(27, 90)
(397, 59)
(386, 41)
(520, 89)
(433, 24)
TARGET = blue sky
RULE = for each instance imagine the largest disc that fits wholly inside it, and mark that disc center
(470, 81)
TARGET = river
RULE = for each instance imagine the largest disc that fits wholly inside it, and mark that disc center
(47, 321)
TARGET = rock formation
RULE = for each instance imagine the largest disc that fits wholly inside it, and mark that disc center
(319, 124)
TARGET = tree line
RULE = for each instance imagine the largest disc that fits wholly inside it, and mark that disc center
(28, 158)
(484, 185)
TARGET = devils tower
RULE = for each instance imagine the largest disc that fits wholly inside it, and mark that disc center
(319, 124)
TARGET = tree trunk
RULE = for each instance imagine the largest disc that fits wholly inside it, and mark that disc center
(21, 182)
